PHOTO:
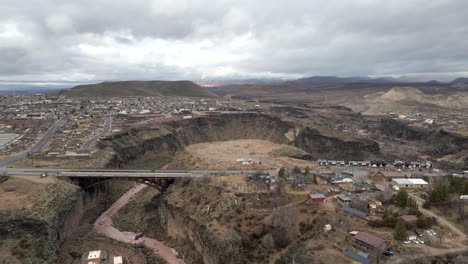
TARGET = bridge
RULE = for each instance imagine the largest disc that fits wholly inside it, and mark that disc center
(159, 179)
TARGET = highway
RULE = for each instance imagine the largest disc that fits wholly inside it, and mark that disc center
(39, 145)
(86, 147)
(119, 173)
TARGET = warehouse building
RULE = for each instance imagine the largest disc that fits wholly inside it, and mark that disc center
(410, 183)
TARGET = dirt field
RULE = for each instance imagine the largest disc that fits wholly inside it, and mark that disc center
(224, 154)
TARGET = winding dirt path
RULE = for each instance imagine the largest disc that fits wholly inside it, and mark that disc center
(457, 242)
(104, 226)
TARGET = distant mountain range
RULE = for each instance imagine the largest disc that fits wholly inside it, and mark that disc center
(12, 89)
(334, 79)
(138, 88)
(219, 87)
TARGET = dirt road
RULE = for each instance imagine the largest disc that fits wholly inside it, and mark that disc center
(104, 226)
(457, 241)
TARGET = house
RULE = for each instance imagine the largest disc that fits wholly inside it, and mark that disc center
(93, 257)
(369, 242)
(409, 219)
(322, 162)
(418, 184)
(343, 200)
(375, 207)
(316, 197)
(363, 163)
(340, 178)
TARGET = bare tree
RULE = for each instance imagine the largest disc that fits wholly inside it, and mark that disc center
(268, 242)
(281, 222)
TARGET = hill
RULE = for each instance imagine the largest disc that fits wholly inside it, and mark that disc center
(461, 83)
(410, 99)
(138, 88)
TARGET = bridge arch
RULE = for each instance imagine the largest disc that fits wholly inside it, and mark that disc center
(160, 184)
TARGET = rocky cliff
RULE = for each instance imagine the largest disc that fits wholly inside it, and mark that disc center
(174, 136)
(179, 225)
(448, 148)
(37, 233)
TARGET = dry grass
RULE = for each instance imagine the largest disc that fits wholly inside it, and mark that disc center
(21, 193)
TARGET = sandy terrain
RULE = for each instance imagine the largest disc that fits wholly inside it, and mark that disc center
(224, 154)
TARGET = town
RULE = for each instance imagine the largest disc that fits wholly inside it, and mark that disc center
(378, 209)
(26, 118)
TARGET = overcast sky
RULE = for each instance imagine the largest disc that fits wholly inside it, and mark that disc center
(93, 40)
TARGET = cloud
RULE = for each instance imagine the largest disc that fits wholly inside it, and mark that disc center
(162, 39)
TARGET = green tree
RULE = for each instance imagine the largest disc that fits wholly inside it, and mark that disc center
(426, 178)
(296, 171)
(307, 171)
(413, 207)
(399, 233)
(402, 198)
(439, 195)
(281, 173)
(387, 213)
(315, 179)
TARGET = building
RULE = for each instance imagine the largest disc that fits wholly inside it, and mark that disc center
(359, 257)
(343, 200)
(316, 197)
(95, 257)
(410, 183)
(118, 260)
(375, 207)
(354, 211)
(369, 242)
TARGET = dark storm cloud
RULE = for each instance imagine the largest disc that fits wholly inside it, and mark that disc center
(167, 39)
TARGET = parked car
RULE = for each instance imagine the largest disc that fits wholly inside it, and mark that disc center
(388, 253)
(406, 242)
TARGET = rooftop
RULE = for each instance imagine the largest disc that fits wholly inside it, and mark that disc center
(94, 254)
(369, 239)
(317, 195)
(410, 181)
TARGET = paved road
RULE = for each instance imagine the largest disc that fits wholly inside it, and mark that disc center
(120, 173)
(39, 145)
(86, 148)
